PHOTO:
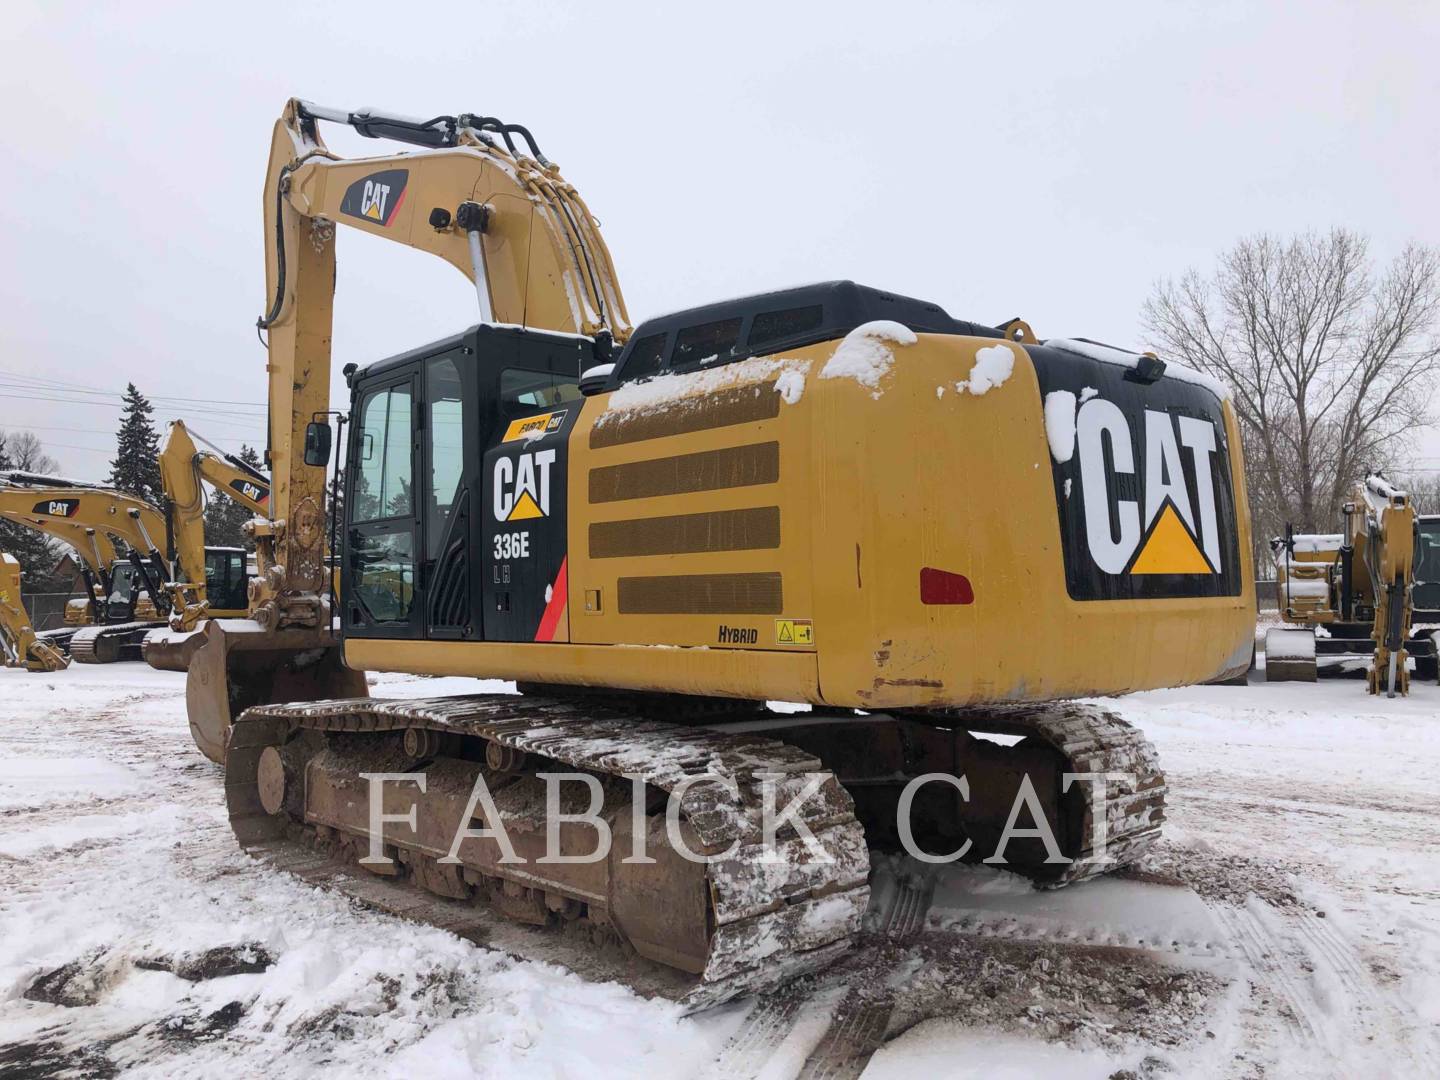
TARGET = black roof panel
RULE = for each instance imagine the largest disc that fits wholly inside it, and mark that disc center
(845, 305)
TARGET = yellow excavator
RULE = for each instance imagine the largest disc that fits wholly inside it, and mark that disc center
(129, 598)
(1349, 594)
(185, 470)
(937, 534)
(126, 596)
(19, 645)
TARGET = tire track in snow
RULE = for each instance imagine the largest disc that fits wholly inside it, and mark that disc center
(858, 1018)
(1272, 969)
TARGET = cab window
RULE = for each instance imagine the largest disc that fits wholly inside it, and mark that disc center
(382, 481)
(523, 391)
(445, 433)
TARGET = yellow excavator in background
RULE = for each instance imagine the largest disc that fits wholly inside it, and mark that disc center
(129, 595)
(132, 597)
(1351, 592)
(20, 646)
(185, 469)
(928, 530)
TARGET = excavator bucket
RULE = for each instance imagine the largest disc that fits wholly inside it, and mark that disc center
(234, 664)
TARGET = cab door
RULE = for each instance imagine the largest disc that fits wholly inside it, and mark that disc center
(449, 487)
(382, 543)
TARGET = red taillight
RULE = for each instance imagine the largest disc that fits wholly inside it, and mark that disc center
(943, 587)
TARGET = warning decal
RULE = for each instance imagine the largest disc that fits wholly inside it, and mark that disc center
(794, 632)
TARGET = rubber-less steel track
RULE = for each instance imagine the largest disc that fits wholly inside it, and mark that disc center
(109, 644)
(773, 920)
(1096, 743)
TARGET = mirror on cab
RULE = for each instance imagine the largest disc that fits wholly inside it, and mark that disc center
(593, 380)
(317, 444)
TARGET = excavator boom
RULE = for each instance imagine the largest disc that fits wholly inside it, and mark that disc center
(476, 198)
(185, 469)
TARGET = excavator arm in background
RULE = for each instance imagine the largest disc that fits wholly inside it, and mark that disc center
(478, 194)
(65, 511)
(1390, 560)
(21, 648)
(185, 469)
(1357, 584)
(96, 552)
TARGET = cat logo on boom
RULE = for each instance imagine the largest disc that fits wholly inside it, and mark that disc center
(522, 486)
(376, 198)
(57, 508)
(253, 492)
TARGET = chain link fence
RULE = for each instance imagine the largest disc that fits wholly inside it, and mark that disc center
(47, 610)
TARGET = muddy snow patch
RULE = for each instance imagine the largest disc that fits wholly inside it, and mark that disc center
(26, 782)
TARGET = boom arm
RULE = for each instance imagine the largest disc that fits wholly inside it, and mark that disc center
(20, 646)
(1390, 559)
(184, 468)
(505, 219)
(86, 518)
(59, 512)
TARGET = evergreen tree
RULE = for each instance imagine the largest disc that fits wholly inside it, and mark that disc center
(224, 517)
(136, 467)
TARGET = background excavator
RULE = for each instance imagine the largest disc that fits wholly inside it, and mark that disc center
(18, 643)
(126, 595)
(930, 530)
(1350, 594)
(130, 597)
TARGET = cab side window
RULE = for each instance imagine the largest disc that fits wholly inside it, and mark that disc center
(382, 481)
(445, 432)
(382, 534)
(770, 326)
(523, 391)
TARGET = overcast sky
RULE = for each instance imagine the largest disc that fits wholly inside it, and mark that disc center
(1043, 160)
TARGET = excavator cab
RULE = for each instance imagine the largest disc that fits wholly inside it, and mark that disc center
(1427, 570)
(479, 420)
(226, 579)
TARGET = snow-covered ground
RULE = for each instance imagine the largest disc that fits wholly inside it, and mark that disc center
(1289, 925)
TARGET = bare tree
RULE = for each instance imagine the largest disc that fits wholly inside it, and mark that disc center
(23, 450)
(36, 552)
(1330, 364)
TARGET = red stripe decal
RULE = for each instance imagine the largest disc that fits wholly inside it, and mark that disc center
(396, 208)
(551, 619)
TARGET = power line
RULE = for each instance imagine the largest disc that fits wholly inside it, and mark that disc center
(49, 393)
(61, 384)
